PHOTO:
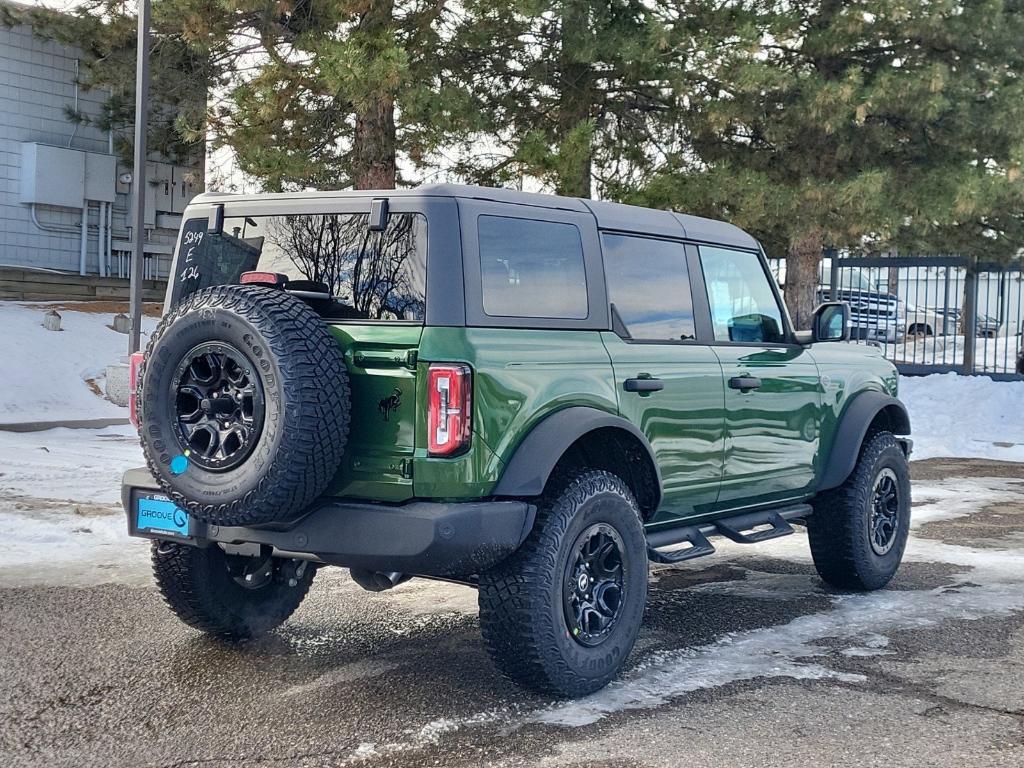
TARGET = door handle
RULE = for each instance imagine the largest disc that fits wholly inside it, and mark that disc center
(745, 383)
(643, 385)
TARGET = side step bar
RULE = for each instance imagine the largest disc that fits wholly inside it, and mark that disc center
(739, 528)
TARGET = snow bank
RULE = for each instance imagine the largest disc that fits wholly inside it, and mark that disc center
(45, 373)
(67, 549)
(965, 416)
(60, 508)
(78, 465)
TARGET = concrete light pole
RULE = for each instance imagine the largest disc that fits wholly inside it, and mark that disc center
(139, 177)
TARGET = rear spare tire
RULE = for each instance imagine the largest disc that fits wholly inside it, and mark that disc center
(243, 405)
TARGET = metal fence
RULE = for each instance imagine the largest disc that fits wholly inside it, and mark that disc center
(931, 314)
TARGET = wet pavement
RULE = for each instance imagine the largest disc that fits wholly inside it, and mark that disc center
(745, 659)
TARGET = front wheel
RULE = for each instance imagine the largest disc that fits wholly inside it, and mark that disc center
(561, 615)
(234, 597)
(859, 530)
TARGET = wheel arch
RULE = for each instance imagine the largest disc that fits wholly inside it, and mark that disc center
(867, 412)
(584, 436)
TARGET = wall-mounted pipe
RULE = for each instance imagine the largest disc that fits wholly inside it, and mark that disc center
(101, 242)
(85, 237)
(110, 230)
(70, 229)
(74, 132)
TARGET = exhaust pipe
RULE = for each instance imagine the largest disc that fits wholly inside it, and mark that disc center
(375, 581)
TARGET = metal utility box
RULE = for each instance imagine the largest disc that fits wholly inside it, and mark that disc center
(52, 175)
(65, 177)
(186, 187)
(100, 177)
(161, 178)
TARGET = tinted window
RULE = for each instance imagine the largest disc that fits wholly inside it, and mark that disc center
(743, 306)
(372, 275)
(650, 287)
(532, 269)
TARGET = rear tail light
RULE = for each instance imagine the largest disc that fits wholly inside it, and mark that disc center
(449, 406)
(134, 370)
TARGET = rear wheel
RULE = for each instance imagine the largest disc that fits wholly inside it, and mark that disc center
(562, 614)
(859, 530)
(230, 596)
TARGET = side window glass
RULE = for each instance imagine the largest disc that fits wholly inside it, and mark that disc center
(649, 285)
(532, 269)
(743, 306)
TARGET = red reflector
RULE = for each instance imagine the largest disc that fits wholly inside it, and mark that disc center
(134, 379)
(274, 279)
(449, 407)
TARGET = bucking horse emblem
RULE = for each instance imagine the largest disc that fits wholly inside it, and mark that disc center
(390, 403)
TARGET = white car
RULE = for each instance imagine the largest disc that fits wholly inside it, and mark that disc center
(926, 321)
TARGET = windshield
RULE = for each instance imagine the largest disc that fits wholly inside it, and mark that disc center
(850, 279)
(370, 275)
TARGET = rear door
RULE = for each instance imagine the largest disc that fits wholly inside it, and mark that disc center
(669, 383)
(377, 281)
(772, 388)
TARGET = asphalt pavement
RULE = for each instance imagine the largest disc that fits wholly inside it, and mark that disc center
(745, 659)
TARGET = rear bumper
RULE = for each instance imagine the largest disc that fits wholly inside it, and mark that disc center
(422, 538)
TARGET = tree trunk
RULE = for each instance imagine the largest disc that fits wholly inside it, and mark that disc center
(969, 316)
(893, 280)
(374, 144)
(576, 93)
(803, 263)
(373, 148)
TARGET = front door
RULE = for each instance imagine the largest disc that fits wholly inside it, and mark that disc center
(772, 388)
(669, 384)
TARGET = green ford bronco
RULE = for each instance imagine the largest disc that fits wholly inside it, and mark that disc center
(532, 395)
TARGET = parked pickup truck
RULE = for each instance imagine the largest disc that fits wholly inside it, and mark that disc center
(875, 314)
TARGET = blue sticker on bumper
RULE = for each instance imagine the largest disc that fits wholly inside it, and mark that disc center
(161, 516)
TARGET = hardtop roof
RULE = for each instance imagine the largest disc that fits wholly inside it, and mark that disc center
(609, 216)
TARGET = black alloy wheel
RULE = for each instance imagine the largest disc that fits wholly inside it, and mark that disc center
(594, 586)
(885, 509)
(218, 406)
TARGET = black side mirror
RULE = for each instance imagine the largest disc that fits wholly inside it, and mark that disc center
(831, 322)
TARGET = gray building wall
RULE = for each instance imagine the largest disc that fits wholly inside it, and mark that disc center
(37, 83)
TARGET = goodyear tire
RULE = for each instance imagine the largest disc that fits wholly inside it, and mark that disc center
(243, 405)
(233, 597)
(859, 530)
(561, 615)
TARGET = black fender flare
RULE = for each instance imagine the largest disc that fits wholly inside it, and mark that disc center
(854, 422)
(527, 472)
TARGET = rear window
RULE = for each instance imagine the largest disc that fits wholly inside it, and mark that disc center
(371, 275)
(532, 269)
(649, 286)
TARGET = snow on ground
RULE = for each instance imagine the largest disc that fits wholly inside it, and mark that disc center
(965, 416)
(46, 373)
(67, 549)
(996, 355)
(60, 507)
(83, 465)
(990, 583)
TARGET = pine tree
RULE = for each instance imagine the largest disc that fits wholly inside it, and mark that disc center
(569, 92)
(861, 125)
(317, 103)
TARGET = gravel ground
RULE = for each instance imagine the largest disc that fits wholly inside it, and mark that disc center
(745, 659)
